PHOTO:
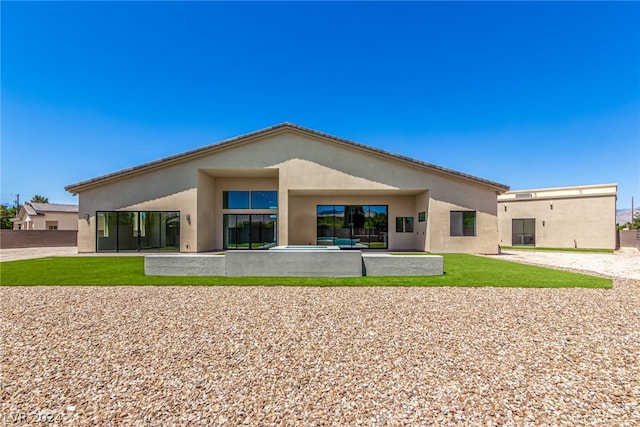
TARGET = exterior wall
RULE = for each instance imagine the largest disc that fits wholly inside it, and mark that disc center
(37, 238)
(302, 217)
(239, 184)
(207, 212)
(172, 188)
(422, 205)
(298, 167)
(66, 221)
(457, 197)
(629, 238)
(563, 221)
(29, 222)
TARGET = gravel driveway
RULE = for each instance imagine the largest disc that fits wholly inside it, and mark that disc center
(624, 263)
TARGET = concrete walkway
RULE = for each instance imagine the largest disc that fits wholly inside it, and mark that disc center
(31, 253)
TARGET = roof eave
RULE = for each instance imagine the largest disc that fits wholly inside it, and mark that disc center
(175, 159)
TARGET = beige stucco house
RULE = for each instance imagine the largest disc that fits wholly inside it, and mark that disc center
(288, 185)
(563, 217)
(46, 216)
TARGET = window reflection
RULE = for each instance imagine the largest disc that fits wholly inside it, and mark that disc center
(255, 231)
(138, 231)
(352, 226)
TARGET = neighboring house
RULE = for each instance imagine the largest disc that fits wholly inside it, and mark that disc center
(46, 216)
(565, 217)
(287, 185)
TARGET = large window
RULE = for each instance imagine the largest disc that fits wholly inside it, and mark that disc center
(250, 200)
(463, 223)
(352, 226)
(523, 232)
(404, 224)
(264, 200)
(137, 231)
(250, 228)
(235, 199)
(254, 231)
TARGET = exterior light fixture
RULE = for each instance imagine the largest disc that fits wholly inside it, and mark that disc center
(551, 205)
(86, 217)
(189, 219)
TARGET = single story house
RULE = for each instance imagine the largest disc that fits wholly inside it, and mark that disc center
(562, 217)
(288, 185)
(46, 216)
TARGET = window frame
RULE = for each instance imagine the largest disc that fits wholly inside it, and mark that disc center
(524, 224)
(405, 224)
(462, 227)
(227, 196)
(251, 200)
(139, 230)
(257, 195)
(333, 226)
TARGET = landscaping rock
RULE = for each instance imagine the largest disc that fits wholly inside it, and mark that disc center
(144, 356)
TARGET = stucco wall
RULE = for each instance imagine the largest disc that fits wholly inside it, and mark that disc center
(207, 212)
(455, 196)
(173, 188)
(235, 184)
(583, 222)
(302, 217)
(422, 205)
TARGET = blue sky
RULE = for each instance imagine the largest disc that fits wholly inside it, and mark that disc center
(526, 94)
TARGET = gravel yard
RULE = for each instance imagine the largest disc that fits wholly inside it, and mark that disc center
(624, 263)
(317, 356)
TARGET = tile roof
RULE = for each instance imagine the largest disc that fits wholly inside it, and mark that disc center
(209, 149)
(52, 207)
(30, 210)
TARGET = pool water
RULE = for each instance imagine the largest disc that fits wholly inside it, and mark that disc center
(301, 248)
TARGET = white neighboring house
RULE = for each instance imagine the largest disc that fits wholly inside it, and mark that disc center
(46, 216)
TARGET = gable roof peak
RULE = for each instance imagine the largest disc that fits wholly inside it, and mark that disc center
(271, 130)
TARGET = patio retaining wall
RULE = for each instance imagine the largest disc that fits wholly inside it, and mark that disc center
(402, 265)
(317, 263)
(184, 265)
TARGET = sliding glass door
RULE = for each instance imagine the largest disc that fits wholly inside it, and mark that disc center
(523, 232)
(137, 231)
(352, 226)
(128, 231)
(250, 231)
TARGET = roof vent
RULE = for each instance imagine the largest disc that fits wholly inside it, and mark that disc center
(524, 196)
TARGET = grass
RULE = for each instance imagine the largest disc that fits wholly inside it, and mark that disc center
(535, 248)
(460, 270)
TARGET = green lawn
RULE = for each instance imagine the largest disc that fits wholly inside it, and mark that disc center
(460, 270)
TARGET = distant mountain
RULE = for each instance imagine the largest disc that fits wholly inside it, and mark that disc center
(624, 215)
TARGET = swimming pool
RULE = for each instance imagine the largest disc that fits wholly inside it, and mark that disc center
(305, 248)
